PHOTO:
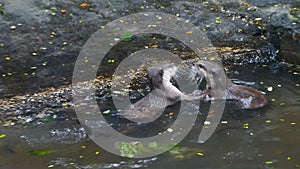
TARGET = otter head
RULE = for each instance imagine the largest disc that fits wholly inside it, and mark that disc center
(214, 75)
(206, 69)
(160, 74)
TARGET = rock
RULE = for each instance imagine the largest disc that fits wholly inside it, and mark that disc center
(252, 24)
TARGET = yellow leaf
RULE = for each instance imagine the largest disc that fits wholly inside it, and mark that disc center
(200, 154)
(2, 136)
(84, 4)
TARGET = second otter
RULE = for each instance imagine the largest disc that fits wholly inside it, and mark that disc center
(247, 97)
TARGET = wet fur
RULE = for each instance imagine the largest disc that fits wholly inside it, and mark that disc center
(247, 97)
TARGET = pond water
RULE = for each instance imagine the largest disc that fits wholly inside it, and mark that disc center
(264, 138)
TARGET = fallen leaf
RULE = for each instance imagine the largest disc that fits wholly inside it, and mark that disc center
(84, 4)
(41, 152)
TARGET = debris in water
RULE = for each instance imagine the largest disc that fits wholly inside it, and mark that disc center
(127, 36)
(246, 125)
(170, 130)
(218, 20)
(270, 88)
(268, 162)
(268, 121)
(41, 152)
(200, 154)
(84, 4)
(13, 27)
(106, 112)
(63, 11)
(2, 136)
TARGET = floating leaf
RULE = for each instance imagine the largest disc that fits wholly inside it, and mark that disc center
(171, 113)
(155, 46)
(2, 136)
(106, 112)
(48, 119)
(2, 11)
(63, 11)
(189, 32)
(41, 152)
(153, 145)
(170, 130)
(264, 37)
(246, 125)
(130, 150)
(13, 27)
(224, 122)
(218, 20)
(282, 104)
(50, 166)
(84, 4)
(200, 154)
(245, 4)
(127, 36)
(269, 162)
(268, 121)
(53, 8)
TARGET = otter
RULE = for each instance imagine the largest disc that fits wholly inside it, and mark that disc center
(245, 96)
(163, 94)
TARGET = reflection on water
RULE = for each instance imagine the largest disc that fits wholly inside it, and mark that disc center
(262, 138)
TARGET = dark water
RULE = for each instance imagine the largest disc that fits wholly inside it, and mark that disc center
(262, 138)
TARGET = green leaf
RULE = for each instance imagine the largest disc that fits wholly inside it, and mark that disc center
(2, 11)
(2, 136)
(41, 152)
(218, 20)
(48, 119)
(127, 36)
(131, 149)
(153, 145)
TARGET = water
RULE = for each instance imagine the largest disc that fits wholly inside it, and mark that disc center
(262, 138)
(43, 49)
